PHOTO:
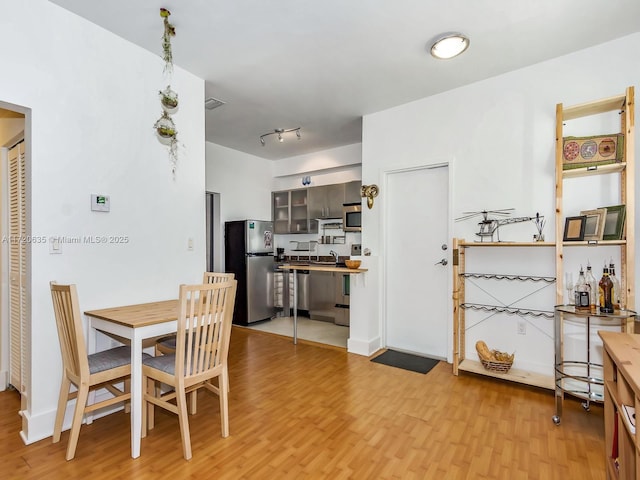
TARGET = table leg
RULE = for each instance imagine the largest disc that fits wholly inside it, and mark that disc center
(295, 307)
(92, 345)
(136, 394)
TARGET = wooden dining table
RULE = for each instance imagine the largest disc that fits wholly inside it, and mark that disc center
(135, 323)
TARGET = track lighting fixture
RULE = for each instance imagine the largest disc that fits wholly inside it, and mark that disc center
(280, 132)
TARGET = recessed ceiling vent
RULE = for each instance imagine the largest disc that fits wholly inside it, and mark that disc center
(211, 103)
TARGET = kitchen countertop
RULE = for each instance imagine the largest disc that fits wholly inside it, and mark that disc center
(322, 268)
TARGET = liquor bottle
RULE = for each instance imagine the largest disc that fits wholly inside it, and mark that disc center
(582, 292)
(593, 289)
(615, 294)
(605, 287)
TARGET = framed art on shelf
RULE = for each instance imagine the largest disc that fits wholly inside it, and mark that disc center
(574, 228)
(594, 224)
(614, 222)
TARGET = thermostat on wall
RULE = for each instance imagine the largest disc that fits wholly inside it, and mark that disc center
(99, 203)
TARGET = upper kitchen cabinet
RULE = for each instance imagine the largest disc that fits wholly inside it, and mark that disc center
(326, 201)
(290, 212)
(352, 192)
(280, 214)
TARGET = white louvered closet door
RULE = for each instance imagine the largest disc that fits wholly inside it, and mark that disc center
(17, 268)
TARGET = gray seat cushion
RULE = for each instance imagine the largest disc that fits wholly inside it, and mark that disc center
(164, 363)
(112, 358)
(168, 342)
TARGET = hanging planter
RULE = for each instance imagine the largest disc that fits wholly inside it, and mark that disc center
(165, 128)
(169, 31)
(168, 135)
(168, 100)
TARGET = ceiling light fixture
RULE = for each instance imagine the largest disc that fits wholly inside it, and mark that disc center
(449, 45)
(280, 132)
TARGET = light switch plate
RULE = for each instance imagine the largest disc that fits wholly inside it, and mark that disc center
(100, 203)
(55, 245)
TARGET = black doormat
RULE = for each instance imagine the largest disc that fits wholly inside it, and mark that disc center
(406, 361)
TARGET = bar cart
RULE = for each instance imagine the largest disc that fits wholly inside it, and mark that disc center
(583, 379)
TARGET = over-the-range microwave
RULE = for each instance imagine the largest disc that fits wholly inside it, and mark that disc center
(352, 217)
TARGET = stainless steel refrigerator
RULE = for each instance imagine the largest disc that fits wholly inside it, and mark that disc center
(248, 253)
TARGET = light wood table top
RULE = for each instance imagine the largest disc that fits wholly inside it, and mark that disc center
(139, 315)
(323, 268)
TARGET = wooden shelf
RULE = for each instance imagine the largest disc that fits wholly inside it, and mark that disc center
(593, 108)
(460, 275)
(506, 244)
(595, 170)
(601, 243)
(513, 375)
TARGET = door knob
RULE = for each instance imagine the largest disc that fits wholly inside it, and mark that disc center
(442, 262)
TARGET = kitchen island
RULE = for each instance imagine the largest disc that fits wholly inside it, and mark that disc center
(319, 267)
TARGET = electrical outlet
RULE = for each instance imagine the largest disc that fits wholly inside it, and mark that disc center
(522, 327)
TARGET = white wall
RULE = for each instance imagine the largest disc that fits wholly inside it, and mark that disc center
(244, 183)
(500, 136)
(335, 165)
(94, 99)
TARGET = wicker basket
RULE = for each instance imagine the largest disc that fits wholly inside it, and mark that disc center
(494, 360)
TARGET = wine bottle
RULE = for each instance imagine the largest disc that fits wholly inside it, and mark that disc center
(615, 294)
(582, 292)
(593, 289)
(605, 286)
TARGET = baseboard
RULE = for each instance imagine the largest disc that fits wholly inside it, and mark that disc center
(40, 426)
(363, 347)
(4, 380)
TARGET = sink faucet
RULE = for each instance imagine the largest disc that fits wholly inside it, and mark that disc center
(335, 255)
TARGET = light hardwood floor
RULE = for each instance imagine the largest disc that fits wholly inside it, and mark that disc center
(304, 411)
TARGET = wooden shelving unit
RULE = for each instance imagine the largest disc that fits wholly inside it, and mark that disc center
(621, 352)
(621, 388)
(624, 104)
(460, 362)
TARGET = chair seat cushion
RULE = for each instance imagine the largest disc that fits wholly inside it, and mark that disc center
(168, 342)
(164, 363)
(112, 358)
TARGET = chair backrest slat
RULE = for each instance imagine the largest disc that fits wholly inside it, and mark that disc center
(215, 277)
(204, 326)
(70, 329)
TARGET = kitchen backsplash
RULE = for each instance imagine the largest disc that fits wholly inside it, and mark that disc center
(317, 242)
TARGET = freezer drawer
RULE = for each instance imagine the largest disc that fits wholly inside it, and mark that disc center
(260, 288)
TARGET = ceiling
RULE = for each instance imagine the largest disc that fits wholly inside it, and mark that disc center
(322, 65)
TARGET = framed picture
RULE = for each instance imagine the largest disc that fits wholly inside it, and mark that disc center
(594, 225)
(614, 222)
(574, 228)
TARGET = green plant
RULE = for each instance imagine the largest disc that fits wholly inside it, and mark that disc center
(169, 31)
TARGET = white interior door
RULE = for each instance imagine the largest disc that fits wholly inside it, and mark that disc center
(417, 296)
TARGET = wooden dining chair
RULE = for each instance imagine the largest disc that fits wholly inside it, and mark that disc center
(86, 372)
(166, 345)
(202, 347)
